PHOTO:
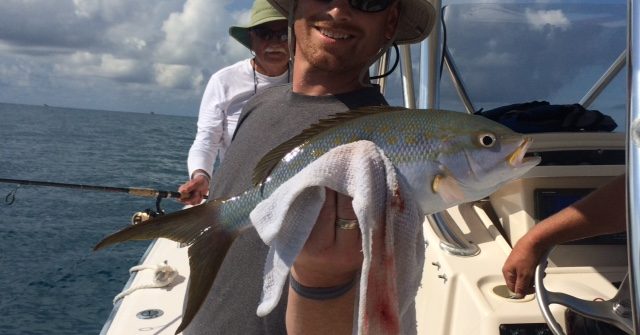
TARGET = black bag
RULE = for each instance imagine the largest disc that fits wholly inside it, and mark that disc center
(542, 117)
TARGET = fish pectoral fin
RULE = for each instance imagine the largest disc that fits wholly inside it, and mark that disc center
(182, 226)
(447, 188)
(205, 259)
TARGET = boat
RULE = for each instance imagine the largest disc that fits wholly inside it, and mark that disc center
(483, 55)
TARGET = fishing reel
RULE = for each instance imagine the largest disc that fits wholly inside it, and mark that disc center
(142, 216)
(139, 217)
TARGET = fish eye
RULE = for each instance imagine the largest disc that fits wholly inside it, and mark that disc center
(486, 140)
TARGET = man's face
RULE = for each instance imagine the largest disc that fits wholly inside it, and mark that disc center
(269, 47)
(335, 37)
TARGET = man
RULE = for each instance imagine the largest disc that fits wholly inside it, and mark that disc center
(229, 89)
(335, 43)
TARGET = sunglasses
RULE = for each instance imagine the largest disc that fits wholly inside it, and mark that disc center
(369, 6)
(267, 34)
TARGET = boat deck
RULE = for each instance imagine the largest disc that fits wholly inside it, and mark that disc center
(152, 310)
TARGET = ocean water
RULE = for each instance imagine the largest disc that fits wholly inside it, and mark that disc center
(51, 282)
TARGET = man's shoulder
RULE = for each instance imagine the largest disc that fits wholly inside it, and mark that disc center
(282, 98)
(231, 71)
(278, 89)
(269, 95)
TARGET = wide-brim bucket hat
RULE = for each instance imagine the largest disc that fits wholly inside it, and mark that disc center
(261, 12)
(415, 22)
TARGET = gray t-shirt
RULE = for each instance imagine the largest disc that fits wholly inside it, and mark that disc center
(269, 119)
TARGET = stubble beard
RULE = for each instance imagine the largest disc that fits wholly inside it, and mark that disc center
(323, 60)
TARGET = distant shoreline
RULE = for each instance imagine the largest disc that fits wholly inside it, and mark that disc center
(50, 107)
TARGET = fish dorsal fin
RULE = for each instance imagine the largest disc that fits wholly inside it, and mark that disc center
(266, 165)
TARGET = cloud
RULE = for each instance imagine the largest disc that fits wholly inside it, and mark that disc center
(178, 76)
(157, 54)
(44, 23)
(545, 46)
(106, 10)
(197, 34)
(539, 19)
(145, 46)
(85, 64)
(191, 35)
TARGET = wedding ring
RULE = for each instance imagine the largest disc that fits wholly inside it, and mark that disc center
(347, 224)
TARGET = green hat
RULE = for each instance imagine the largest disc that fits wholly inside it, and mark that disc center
(262, 12)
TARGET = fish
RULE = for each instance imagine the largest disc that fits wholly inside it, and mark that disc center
(445, 157)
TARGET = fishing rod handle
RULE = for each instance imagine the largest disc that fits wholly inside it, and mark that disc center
(150, 193)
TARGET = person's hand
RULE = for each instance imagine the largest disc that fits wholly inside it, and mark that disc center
(331, 256)
(519, 268)
(193, 191)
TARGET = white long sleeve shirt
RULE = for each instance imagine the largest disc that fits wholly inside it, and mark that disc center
(224, 97)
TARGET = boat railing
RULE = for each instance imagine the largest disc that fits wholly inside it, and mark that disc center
(452, 240)
(407, 76)
(457, 82)
(633, 156)
(433, 52)
(604, 80)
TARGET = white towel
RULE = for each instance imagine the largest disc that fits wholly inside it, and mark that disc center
(390, 223)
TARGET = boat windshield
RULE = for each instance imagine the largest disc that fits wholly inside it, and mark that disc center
(510, 52)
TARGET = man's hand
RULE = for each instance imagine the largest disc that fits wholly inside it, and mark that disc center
(519, 268)
(193, 191)
(331, 256)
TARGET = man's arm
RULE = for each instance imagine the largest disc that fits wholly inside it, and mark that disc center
(601, 212)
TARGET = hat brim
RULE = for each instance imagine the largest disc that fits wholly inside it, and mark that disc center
(241, 34)
(416, 19)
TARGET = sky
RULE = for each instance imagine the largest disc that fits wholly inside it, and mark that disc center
(157, 55)
(123, 55)
(519, 51)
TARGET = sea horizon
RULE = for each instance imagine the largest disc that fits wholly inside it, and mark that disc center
(53, 282)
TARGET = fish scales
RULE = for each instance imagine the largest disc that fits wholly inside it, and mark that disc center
(446, 158)
(416, 125)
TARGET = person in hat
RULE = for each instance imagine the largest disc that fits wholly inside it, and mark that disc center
(333, 44)
(230, 88)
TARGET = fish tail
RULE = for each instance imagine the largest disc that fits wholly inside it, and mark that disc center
(182, 226)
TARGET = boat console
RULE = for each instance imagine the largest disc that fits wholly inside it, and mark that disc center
(463, 291)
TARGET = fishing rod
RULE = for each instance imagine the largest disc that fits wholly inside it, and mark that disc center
(139, 192)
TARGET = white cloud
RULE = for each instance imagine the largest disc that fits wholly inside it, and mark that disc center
(113, 67)
(114, 10)
(86, 64)
(194, 32)
(86, 8)
(134, 49)
(177, 76)
(135, 43)
(493, 58)
(538, 19)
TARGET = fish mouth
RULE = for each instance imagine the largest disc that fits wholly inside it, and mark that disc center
(517, 159)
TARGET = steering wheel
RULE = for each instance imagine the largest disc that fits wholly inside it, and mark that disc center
(616, 311)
